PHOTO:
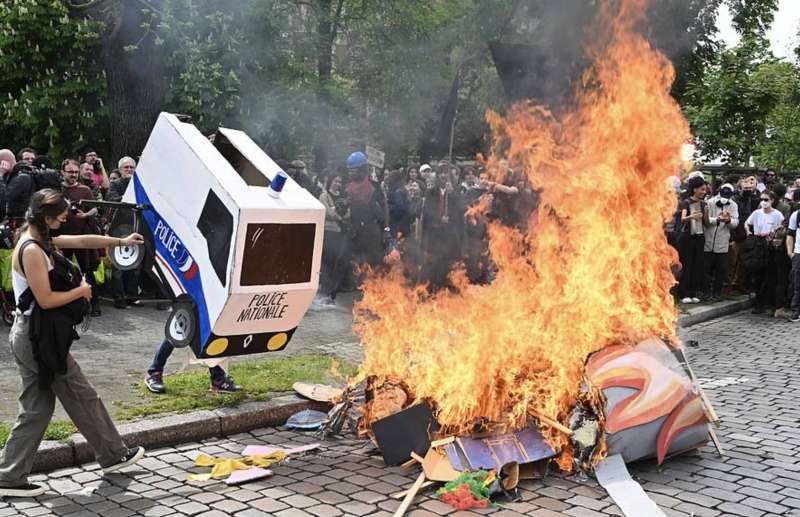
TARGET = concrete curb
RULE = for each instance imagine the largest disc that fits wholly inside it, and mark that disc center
(176, 429)
(705, 313)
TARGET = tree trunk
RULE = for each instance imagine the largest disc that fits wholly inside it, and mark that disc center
(136, 89)
(329, 13)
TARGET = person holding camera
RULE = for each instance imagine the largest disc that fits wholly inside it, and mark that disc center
(51, 299)
(81, 221)
(336, 246)
(721, 218)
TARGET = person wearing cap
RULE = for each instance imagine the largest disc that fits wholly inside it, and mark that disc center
(369, 214)
(428, 176)
(297, 171)
(721, 217)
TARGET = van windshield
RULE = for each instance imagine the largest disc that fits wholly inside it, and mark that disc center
(277, 254)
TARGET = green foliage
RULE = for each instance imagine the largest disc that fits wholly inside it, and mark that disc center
(56, 430)
(260, 380)
(727, 107)
(53, 89)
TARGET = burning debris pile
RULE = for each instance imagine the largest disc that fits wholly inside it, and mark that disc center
(575, 337)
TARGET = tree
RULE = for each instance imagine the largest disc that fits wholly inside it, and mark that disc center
(133, 66)
(54, 88)
(727, 108)
(779, 146)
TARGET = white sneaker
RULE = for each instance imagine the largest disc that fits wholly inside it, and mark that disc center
(686, 300)
(695, 300)
(27, 490)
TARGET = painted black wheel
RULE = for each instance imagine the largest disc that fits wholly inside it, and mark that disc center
(181, 327)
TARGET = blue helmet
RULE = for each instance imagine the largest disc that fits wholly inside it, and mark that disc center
(357, 159)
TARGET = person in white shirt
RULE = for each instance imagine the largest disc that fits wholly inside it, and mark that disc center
(793, 250)
(763, 223)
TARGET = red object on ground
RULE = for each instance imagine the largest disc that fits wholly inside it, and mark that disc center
(463, 499)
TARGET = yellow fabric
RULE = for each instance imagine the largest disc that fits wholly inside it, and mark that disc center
(100, 274)
(223, 467)
(5, 269)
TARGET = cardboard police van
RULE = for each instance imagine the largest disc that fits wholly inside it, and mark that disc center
(239, 259)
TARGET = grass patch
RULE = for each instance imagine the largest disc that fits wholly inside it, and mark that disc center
(189, 391)
(57, 430)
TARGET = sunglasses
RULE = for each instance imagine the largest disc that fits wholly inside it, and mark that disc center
(765, 199)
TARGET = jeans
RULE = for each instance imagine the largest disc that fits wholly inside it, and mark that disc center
(335, 262)
(165, 350)
(125, 284)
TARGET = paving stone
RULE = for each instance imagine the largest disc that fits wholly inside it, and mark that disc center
(357, 508)
(740, 509)
(299, 501)
(268, 505)
(191, 508)
(324, 510)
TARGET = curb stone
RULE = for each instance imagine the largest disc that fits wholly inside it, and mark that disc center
(176, 429)
(705, 313)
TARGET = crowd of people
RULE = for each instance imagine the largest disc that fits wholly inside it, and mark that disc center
(739, 235)
(418, 212)
(82, 179)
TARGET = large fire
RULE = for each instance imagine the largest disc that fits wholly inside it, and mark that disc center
(593, 270)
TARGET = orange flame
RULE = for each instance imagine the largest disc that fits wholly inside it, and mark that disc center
(593, 271)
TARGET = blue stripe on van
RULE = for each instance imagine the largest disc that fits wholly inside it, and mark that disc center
(170, 248)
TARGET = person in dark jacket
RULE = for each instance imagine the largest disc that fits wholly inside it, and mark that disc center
(442, 228)
(19, 188)
(30, 274)
(399, 206)
(747, 201)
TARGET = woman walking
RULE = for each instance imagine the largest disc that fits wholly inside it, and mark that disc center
(51, 298)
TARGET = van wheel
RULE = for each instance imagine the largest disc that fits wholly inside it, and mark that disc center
(181, 325)
(125, 258)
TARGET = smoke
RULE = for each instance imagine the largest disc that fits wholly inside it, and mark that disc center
(544, 53)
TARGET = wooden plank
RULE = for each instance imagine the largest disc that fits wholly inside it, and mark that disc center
(400, 495)
(410, 494)
(410, 463)
(443, 441)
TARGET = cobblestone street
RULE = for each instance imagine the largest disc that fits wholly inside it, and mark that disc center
(748, 364)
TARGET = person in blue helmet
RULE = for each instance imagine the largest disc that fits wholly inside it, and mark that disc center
(369, 216)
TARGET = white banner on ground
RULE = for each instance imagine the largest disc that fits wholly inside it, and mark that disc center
(628, 495)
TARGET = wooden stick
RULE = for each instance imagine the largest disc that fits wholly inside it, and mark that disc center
(416, 457)
(401, 494)
(552, 423)
(443, 441)
(716, 441)
(410, 463)
(401, 510)
(708, 409)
